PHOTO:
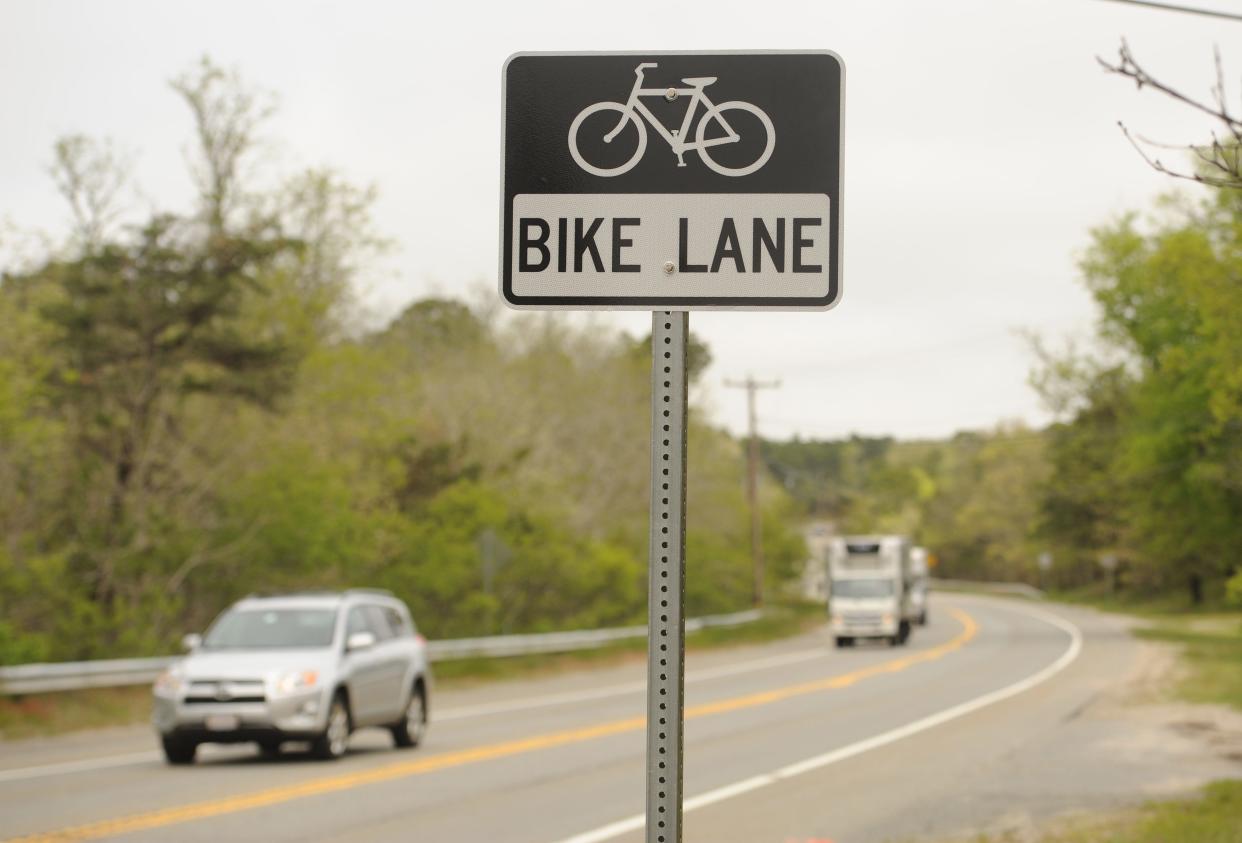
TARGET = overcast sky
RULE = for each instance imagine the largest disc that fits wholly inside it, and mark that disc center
(980, 146)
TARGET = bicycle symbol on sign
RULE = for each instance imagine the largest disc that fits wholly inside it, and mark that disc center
(634, 109)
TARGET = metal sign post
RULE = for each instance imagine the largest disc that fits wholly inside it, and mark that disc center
(666, 639)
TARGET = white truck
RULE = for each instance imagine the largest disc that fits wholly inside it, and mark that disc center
(918, 585)
(869, 588)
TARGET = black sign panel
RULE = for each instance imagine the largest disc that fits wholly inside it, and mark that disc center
(672, 180)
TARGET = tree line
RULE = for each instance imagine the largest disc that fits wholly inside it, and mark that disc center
(1137, 484)
(192, 410)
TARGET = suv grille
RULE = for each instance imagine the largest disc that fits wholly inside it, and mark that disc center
(224, 691)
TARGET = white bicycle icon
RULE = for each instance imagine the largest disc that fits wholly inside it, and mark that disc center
(676, 138)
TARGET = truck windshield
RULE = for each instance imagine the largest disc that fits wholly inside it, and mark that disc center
(268, 629)
(862, 588)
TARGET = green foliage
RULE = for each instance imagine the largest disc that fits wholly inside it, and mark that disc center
(831, 479)
(1233, 590)
(1147, 466)
(188, 414)
(528, 576)
(983, 517)
(1213, 816)
(973, 499)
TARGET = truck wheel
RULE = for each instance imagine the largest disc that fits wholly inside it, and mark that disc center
(903, 632)
(845, 641)
(178, 751)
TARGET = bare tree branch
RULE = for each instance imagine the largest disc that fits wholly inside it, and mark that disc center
(91, 176)
(1220, 156)
(227, 117)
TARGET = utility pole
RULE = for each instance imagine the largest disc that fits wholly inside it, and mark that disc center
(752, 477)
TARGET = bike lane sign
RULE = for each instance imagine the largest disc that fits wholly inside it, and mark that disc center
(672, 181)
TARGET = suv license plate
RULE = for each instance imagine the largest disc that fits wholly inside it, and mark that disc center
(222, 723)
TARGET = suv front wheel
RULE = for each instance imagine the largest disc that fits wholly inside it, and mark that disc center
(332, 744)
(177, 750)
(409, 732)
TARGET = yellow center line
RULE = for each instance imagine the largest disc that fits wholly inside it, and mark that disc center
(429, 764)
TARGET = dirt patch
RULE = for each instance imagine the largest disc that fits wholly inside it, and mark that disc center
(1147, 699)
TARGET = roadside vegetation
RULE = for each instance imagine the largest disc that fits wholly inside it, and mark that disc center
(1208, 636)
(1211, 647)
(193, 408)
(1213, 817)
(1135, 491)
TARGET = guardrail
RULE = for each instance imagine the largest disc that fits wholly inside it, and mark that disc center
(115, 673)
(1016, 588)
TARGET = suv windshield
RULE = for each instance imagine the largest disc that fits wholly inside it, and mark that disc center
(266, 629)
(862, 588)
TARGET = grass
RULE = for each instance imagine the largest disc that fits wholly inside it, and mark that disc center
(1209, 639)
(1210, 643)
(36, 715)
(56, 713)
(1214, 817)
(1211, 648)
(1174, 602)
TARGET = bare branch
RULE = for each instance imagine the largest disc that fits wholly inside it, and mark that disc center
(91, 176)
(1232, 172)
(227, 117)
(1218, 156)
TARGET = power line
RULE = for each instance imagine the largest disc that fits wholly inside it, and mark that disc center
(1170, 7)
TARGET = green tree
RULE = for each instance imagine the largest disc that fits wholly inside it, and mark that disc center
(1161, 433)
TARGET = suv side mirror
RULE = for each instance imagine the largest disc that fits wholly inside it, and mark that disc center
(359, 641)
(191, 641)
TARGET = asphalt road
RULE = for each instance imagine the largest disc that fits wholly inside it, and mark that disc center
(793, 741)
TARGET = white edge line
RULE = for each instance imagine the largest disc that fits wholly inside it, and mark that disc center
(463, 713)
(729, 791)
(85, 764)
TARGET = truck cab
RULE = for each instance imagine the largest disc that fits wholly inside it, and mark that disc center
(869, 589)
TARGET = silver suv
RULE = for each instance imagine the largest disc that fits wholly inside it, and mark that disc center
(299, 667)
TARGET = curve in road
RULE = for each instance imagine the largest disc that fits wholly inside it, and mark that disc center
(720, 794)
(527, 774)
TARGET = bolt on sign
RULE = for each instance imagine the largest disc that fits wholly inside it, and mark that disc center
(686, 181)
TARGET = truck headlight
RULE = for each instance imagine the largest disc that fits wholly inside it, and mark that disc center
(298, 680)
(887, 618)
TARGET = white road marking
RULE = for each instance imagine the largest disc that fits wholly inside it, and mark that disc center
(77, 766)
(636, 823)
(461, 713)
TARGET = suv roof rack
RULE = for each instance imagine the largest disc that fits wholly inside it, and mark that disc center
(318, 592)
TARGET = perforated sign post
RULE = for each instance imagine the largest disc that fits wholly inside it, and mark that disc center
(671, 182)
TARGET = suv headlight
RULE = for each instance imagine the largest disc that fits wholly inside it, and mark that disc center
(169, 683)
(298, 680)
